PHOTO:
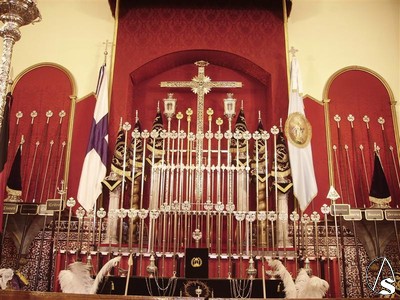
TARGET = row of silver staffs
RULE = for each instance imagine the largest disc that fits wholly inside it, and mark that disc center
(245, 246)
(209, 135)
(173, 134)
(335, 210)
(164, 134)
(338, 210)
(242, 218)
(266, 255)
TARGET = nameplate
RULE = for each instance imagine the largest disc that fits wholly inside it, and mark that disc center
(392, 214)
(43, 211)
(29, 209)
(354, 215)
(374, 214)
(10, 208)
(340, 209)
(54, 204)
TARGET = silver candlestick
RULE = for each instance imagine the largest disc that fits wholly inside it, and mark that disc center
(14, 14)
(251, 270)
(151, 268)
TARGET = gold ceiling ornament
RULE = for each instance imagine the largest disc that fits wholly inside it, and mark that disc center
(13, 14)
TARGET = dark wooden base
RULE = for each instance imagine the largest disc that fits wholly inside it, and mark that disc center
(21, 295)
(186, 287)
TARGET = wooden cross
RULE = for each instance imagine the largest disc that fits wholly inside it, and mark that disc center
(200, 85)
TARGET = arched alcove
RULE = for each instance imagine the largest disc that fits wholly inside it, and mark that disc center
(46, 89)
(254, 96)
(361, 116)
(146, 92)
(39, 123)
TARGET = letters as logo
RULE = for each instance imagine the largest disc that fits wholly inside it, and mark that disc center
(196, 262)
(380, 270)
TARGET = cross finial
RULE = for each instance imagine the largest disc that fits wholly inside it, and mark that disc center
(293, 51)
(106, 43)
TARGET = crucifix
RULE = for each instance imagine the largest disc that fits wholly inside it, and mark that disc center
(200, 85)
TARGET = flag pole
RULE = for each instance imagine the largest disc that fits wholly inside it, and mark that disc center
(265, 136)
(395, 231)
(315, 217)
(46, 170)
(219, 206)
(285, 26)
(70, 204)
(27, 154)
(346, 148)
(338, 157)
(370, 144)
(49, 114)
(287, 51)
(13, 138)
(325, 209)
(113, 47)
(275, 131)
(389, 152)
(69, 138)
(351, 119)
(333, 196)
(361, 147)
(395, 165)
(56, 170)
(294, 217)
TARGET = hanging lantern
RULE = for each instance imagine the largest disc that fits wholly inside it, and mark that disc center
(229, 106)
(169, 106)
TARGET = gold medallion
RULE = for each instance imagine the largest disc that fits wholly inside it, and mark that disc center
(298, 130)
(196, 262)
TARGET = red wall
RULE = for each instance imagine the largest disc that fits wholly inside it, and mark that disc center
(148, 34)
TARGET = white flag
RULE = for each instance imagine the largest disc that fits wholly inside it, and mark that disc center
(298, 131)
(94, 166)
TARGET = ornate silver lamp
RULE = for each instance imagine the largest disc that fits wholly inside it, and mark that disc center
(14, 14)
(229, 108)
(169, 106)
